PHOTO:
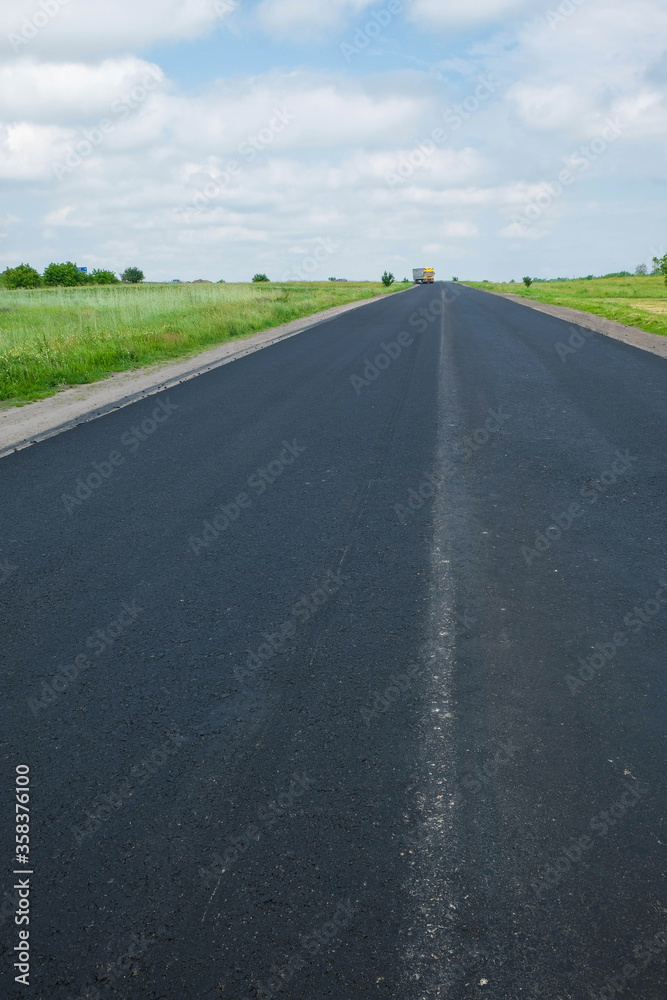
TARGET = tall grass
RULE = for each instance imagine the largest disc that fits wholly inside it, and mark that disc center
(634, 301)
(53, 338)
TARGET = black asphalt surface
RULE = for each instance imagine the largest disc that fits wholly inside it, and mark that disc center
(348, 740)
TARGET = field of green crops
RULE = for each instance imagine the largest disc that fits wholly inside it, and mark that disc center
(52, 338)
(634, 301)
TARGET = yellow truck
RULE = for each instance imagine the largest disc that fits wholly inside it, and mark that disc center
(423, 275)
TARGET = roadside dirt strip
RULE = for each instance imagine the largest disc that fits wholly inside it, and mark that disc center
(653, 342)
(21, 426)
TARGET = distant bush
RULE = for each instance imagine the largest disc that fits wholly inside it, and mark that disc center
(260, 277)
(527, 281)
(661, 266)
(102, 277)
(22, 276)
(132, 275)
(641, 270)
(66, 274)
(388, 279)
(455, 279)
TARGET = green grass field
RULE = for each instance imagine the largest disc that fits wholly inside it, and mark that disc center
(52, 338)
(638, 302)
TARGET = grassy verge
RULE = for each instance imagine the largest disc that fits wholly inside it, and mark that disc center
(52, 338)
(638, 302)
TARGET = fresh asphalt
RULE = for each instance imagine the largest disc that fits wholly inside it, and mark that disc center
(302, 656)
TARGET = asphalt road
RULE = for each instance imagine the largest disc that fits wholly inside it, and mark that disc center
(303, 658)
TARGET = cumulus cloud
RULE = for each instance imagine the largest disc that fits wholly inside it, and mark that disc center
(78, 28)
(306, 17)
(65, 92)
(26, 150)
(435, 13)
(548, 107)
(461, 229)
(569, 74)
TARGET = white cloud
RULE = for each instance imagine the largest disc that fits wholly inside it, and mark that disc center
(42, 92)
(306, 17)
(569, 77)
(291, 111)
(431, 14)
(26, 150)
(549, 107)
(461, 229)
(81, 28)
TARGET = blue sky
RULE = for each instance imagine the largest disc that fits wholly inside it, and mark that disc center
(288, 136)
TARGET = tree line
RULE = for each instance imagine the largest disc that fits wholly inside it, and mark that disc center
(67, 274)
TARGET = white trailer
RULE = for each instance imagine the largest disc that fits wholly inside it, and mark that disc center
(423, 275)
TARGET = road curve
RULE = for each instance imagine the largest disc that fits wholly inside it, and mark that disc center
(339, 671)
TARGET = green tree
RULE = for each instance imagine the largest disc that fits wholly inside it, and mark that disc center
(23, 276)
(641, 270)
(132, 275)
(661, 266)
(388, 279)
(102, 277)
(455, 279)
(527, 281)
(260, 277)
(66, 274)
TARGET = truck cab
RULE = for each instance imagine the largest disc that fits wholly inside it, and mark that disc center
(423, 275)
